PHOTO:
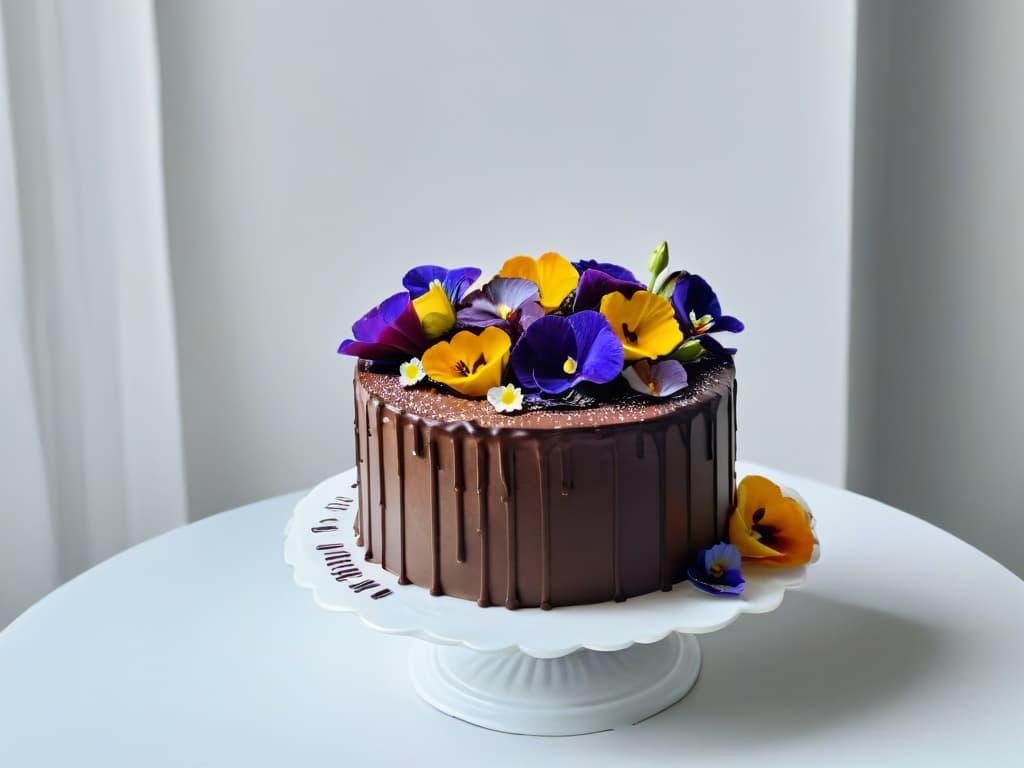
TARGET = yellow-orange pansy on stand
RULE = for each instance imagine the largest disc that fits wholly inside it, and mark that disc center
(469, 364)
(552, 273)
(645, 324)
(768, 527)
(435, 310)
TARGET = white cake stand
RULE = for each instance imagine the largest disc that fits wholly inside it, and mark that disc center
(568, 671)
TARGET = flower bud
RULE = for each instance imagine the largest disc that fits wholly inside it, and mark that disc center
(658, 262)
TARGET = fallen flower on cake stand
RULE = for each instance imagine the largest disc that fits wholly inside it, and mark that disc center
(717, 571)
(770, 527)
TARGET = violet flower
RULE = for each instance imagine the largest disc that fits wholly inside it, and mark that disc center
(717, 571)
(656, 379)
(619, 273)
(454, 281)
(389, 332)
(509, 302)
(595, 284)
(699, 309)
(556, 353)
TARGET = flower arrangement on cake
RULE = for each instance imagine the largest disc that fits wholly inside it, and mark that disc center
(545, 332)
(549, 333)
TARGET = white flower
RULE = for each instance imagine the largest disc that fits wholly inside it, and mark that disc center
(411, 373)
(505, 399)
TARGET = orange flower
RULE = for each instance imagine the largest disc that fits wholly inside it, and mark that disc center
(769, 527)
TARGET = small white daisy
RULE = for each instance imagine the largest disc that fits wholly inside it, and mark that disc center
(411, 373)
(505, 399)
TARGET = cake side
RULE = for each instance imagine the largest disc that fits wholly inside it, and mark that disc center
(549, 508)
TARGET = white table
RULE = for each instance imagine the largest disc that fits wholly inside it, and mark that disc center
(196, 648)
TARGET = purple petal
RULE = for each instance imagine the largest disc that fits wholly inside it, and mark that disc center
(693, 294)
(389, 331)
(530, 312)
(520, 296)
(731, 583)
(539, 355)
(669, 377)
(513, 292)
(372, 324)
(481, 311)
(368, 350)
(594, 284)
(454, 281)
(712, 344)
(619, 273)
(600, 353)
(405, 332)
(727, 323)
(418, 279)
(459, 281)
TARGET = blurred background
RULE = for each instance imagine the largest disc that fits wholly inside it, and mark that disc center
(199, 197)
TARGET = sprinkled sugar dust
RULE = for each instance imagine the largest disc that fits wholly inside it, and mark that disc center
(429, 403)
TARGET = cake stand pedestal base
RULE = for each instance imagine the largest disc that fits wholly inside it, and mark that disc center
(583, 692)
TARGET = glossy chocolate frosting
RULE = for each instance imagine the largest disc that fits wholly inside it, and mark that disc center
(549, 507)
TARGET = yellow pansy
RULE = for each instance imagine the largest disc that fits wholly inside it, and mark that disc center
(768, 527)
(435, 310)
(552, 273)
(645, 324)
(469, 364)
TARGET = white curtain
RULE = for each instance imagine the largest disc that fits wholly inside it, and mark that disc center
(90, 427)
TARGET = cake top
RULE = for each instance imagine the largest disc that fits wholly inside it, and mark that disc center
(546, 333)
(708, 380)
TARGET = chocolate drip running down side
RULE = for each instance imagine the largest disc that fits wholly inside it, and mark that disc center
(546, 508)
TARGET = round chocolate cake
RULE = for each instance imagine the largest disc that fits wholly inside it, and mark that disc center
(550, 507)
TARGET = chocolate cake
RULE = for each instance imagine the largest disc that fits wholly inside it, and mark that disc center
(549, 507)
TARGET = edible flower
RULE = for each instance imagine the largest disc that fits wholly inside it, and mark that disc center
(389, 332)
(645, 324)
(717, 570)
(470, 364)
(556, 353)
(619, 273)
(594, 285)
(699, 308)
(770, 527)
(411, 373)
(554, 275)
(435, 310)
(656, 379)
(505, 399)
(509, 302)
(454, 282)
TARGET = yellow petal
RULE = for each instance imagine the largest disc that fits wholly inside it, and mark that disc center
(554, 275)
(520, 266)
(746, 542)
(645, 324)
(435, 310)
(469, 364)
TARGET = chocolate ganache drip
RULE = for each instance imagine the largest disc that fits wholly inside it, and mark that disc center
(544, 508)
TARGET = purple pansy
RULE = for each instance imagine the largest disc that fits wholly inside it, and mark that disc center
(656, 379)
(390, 331)
(698, 308)
(619, 273)
(455, 282)
(510, 302)
(594, 284)
(556, 353)
(717, 570)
